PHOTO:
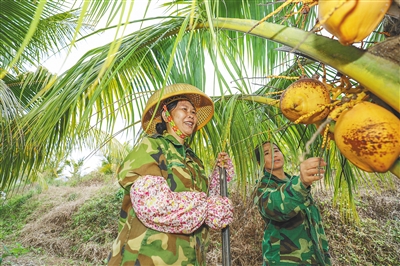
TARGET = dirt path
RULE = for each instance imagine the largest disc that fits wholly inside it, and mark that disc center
(32, 259)
(45, 223)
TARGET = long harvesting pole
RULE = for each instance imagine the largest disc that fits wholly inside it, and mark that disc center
(226, 247)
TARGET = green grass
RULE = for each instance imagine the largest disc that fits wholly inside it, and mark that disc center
(90, 228)
(96, 216)
(14, 213)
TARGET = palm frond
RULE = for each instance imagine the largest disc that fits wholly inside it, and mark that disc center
(116, 79)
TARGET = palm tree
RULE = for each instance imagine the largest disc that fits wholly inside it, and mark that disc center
(116, 79)
(31, 32)
(113, 155)
(76, 168)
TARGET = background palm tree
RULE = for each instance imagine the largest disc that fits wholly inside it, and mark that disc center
(113, 155)
(116, 79)
(31, 32)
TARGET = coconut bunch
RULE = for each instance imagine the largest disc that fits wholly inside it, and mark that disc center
(367, 134)
(351, 20)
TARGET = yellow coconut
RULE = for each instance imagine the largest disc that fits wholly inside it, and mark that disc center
(368, 136)
(305, 98)
(351, 20)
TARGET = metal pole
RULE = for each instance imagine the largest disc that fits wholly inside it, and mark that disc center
(226, 248)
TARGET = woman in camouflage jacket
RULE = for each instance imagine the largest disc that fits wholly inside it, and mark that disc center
(169, 203)
(294, 234)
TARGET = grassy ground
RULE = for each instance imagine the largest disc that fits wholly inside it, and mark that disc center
(75, 224)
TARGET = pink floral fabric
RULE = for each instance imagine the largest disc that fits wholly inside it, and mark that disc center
(215, 178)
(219, 212)
(159, 208)
(163, 210)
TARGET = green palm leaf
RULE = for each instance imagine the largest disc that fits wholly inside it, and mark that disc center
(115, 80)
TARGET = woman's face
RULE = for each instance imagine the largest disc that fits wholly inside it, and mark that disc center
(185, 117)
(273, 157)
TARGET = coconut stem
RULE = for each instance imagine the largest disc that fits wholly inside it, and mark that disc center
(261, 99)
(377, 74)
(313, 138)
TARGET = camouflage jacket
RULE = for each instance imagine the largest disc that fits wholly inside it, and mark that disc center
(159, 155)
(294, 233)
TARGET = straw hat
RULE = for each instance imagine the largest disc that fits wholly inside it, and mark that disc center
(203, 104)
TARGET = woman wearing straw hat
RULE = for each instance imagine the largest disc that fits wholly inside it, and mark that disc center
(169, 203)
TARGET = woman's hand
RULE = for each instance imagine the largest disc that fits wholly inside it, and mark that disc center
(222, 159)
(312, 170)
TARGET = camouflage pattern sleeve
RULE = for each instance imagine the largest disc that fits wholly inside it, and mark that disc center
(132, 168)
(143, 160)
(136, 244)
(294, 232)
(281, 202)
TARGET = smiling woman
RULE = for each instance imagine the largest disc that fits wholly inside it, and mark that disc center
(168, 197)
(185, 114)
